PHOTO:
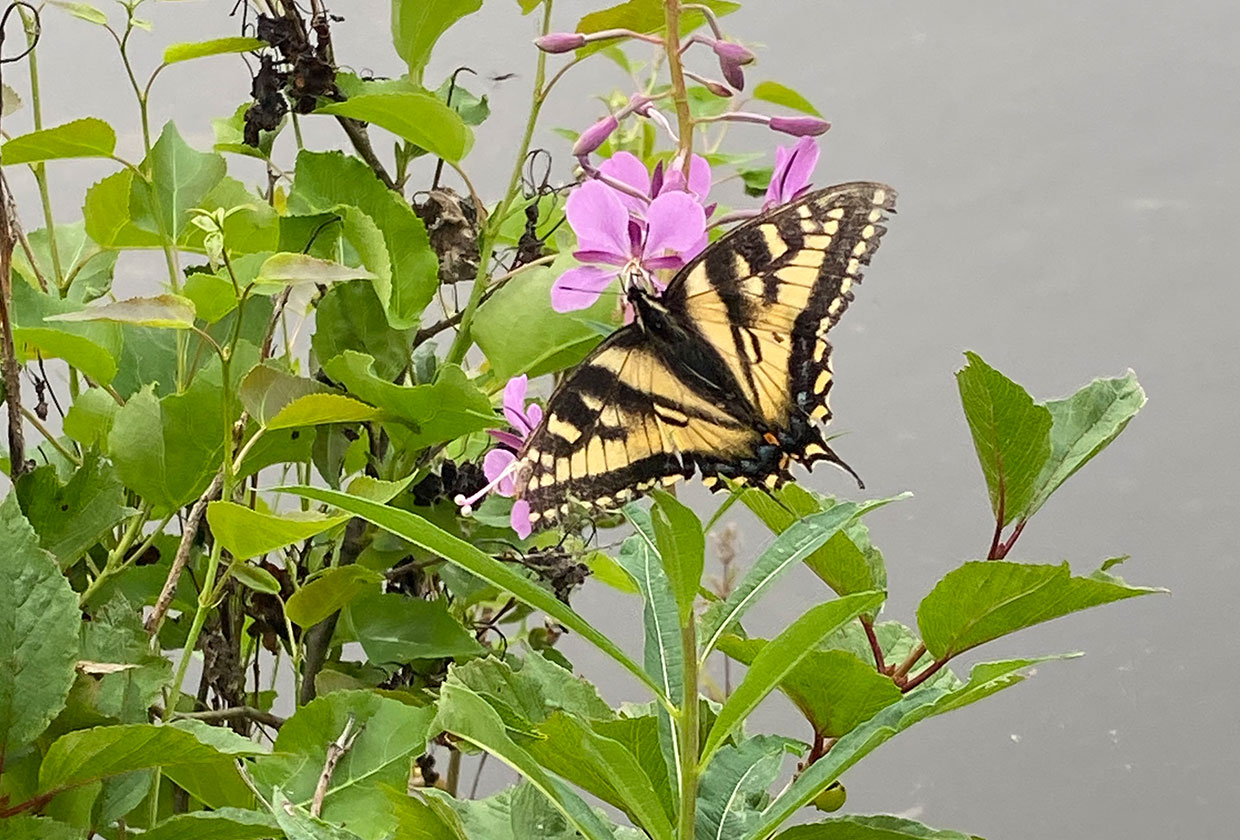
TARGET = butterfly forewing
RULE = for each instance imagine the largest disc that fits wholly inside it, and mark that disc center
(737, 390)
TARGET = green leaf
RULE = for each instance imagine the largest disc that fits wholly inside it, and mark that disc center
(1010, 433)
(548, 341)
(81, 258)
(159, 446)
(165, 311)
(440, 411)
(251, 224)
(298, 269)
(38, 632)
(417, 819)
(389, 735)
(181, 177)
(467, 716)
(985, 599)
(89, 420)
(663, 654)
(109, 217)
(71, 518)
(431, 538)
(780, 656)
(299, 824)
(877, 827)
(350, 317)
(678, 534)
(833, 689)
(571, 749)
(84, 138)
(756, 180)
(473, 110)
(418, 24)
(645, 16)
(217, 46)
(83, 11)
(267, 389)
(417, 117)
(255, 577)
(1082, 426)
(91, 348)
(847, 563)
(249, 533)
(799, 541)
(394, 628)
(222, 824)
(733, 791)
(88, 755)
(27, 827)
(327, 181)
(328, 593)
(778, 94)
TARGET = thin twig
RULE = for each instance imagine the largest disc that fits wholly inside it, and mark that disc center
(931, 670)
(996, 542)
(233, 713)
(335, 750)
(877, 649)
(156, 618)
(918, 651)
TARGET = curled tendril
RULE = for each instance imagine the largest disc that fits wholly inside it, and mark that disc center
(38, 30)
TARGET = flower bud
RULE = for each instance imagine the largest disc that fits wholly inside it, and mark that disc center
(595, 136)
(732, 57)
(560, 42)
(799, 126)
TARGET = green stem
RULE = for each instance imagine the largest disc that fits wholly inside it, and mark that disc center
(486, 240)
(40, 174)
(680, 95)
(687, 731)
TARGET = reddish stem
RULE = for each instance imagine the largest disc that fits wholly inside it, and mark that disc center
(929, 672)
(868, 624)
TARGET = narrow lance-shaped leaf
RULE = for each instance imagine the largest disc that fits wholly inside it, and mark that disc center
(166, 311)
(791, 547)
(89, 137)
(733, 790)
(1010, 433)
(296, 269)
(245, 532)
(425, 535)
(780, 656)
(678, 533)
(778, 94)
(864, 827)
(983, 600)
(329, 592)
(1083, 425)
(218, 46)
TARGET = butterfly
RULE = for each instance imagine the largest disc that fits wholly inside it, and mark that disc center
(725, 374)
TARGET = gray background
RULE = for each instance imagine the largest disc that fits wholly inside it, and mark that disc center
(1063, 170)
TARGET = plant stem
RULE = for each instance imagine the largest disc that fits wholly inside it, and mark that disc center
(680, 96)
(918, 651)
(486, 240)
(687, 725)
(40, 173)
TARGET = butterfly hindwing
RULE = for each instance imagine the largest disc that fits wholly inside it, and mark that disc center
(727, 374)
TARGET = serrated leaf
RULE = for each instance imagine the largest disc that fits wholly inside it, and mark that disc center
(1010, 433)
(876, 827)
(985, 599)
(417, 117)
(88, 755)
(217, 46)
(1083, 425)
(299, 824)
(221, 824)
(298, 269)
(72, 517)
(329, 592)
(166, 311)
(180, 178)
(39, 617)
(778, 94)
(84, 138)
(734, 789)
(109, 217)
(780, 656)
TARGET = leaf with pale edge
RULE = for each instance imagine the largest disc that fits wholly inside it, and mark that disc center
(876, 827)
(89, 137)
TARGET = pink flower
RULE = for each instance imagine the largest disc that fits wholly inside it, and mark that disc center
(612, 242)
(500, 465)
(793, 167)
(627, 169)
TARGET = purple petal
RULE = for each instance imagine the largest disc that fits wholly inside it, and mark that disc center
(506, 438)
(520, 518)
(774, 190)
(494, 465)
(627, 169)
(676, 222)
(599, 219)
(799, 126)
(595, 136)
(579, 287)
(560, 42)
(699, 176)
(798, 167)
(534, 414)
(514, 403)
(674, 261)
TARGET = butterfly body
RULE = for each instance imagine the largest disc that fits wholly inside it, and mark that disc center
(725, 374)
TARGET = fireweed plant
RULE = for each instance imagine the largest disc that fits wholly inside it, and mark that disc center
(249, 590)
